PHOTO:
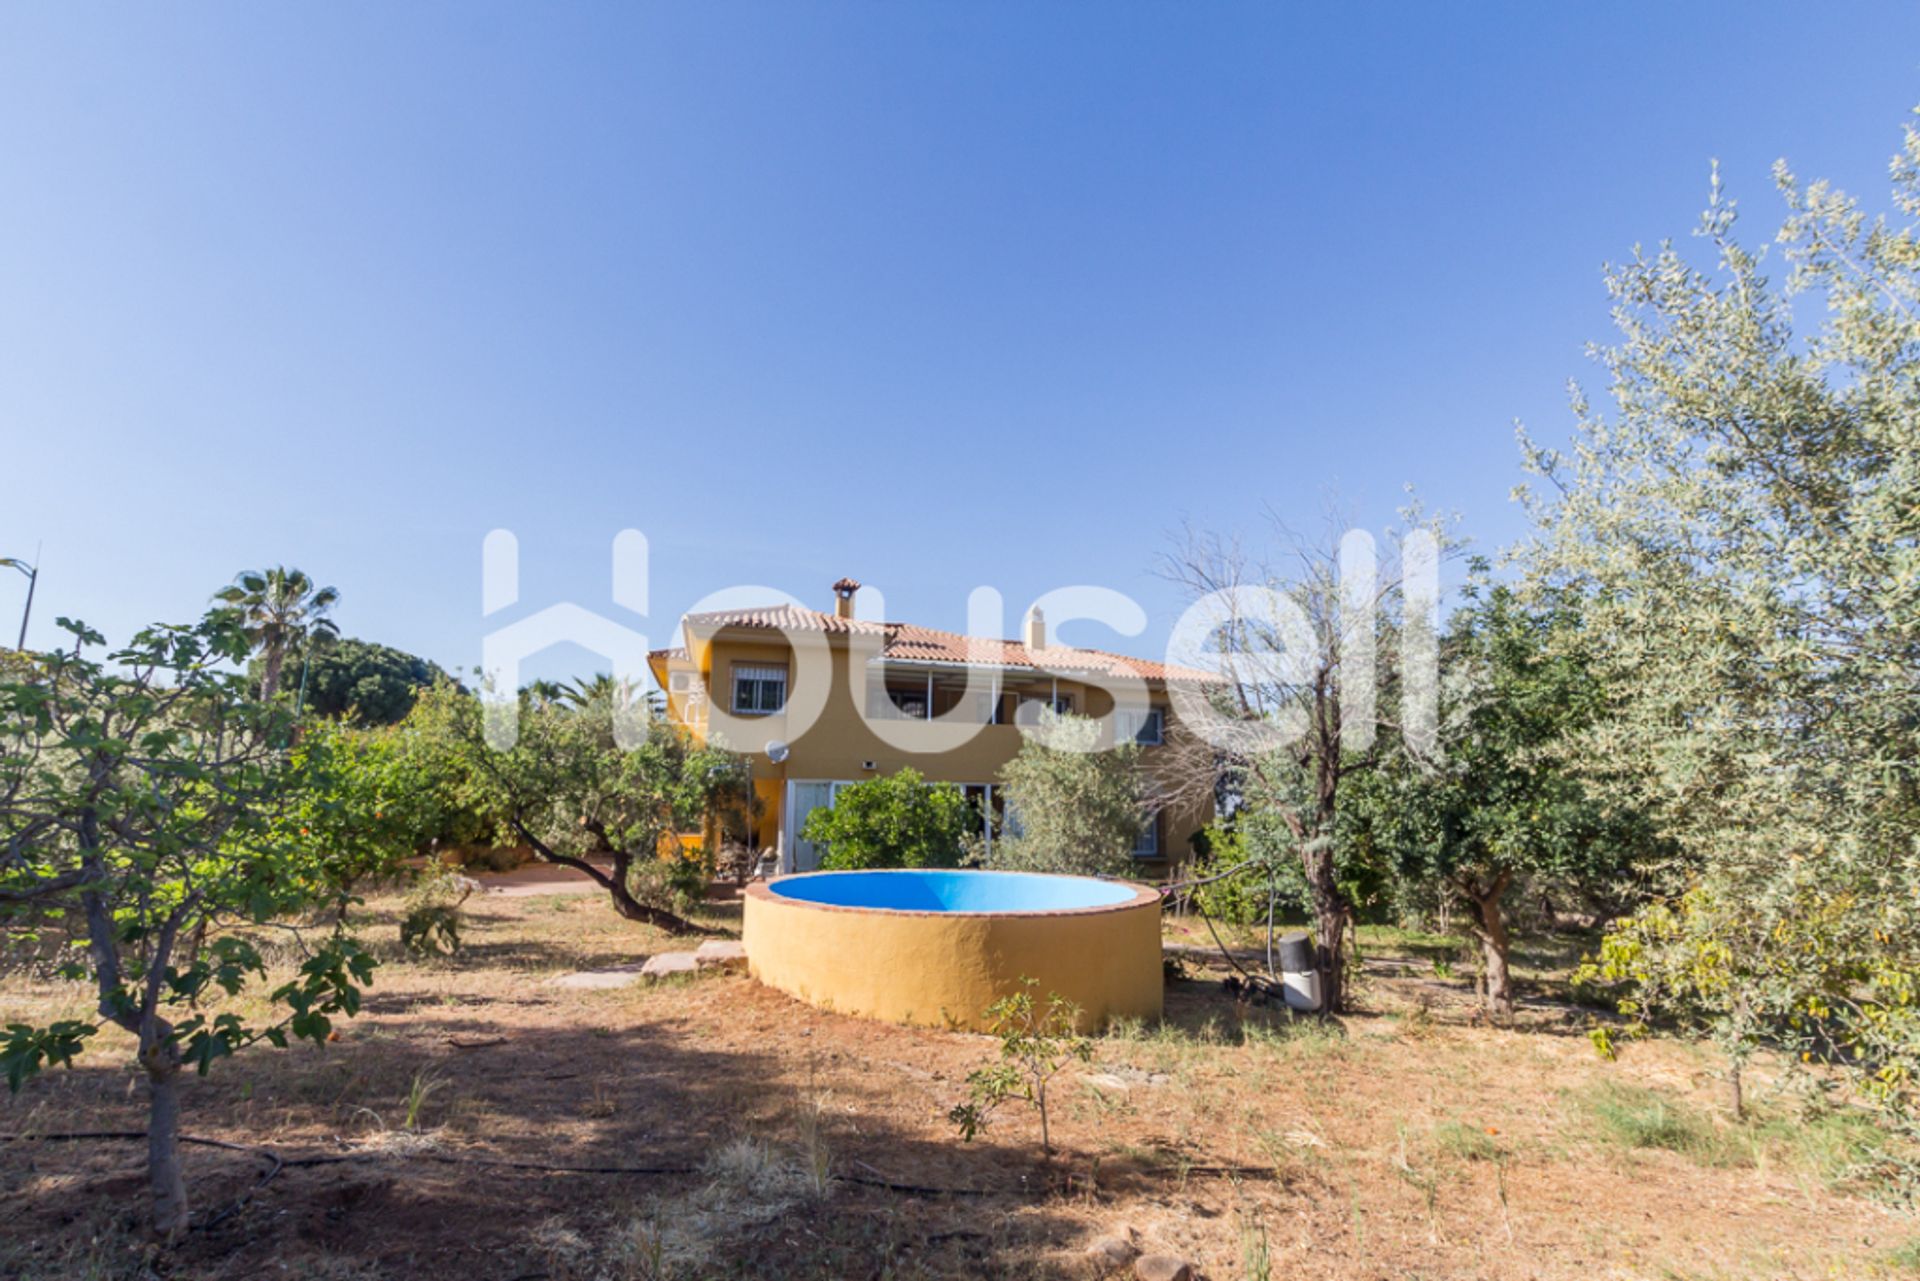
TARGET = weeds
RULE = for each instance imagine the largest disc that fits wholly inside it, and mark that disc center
(1256, 1259)
(603, 1104)
(1465, 1143)
(1635, 1117)
(1426, 1181)
(816, 1158)
(1417, 1023)
(641, 1252)
(1838, 1145)
(426, 1083)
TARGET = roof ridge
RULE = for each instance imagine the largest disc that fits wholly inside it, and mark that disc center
(951, 646)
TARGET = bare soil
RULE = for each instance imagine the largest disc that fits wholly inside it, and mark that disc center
(1410, 1140)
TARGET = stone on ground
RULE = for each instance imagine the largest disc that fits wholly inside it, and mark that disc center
(615, 976)
(1162, 1267)
(1110, 1253)
(668, 964)
(721, 954)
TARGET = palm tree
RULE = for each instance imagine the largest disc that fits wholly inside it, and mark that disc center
(585, 691)
(544, 691)
(282, 608)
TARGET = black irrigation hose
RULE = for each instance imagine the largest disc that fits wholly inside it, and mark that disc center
(1224, 950)
(1192, 882)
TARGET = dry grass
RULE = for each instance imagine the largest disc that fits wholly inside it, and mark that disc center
(1409, 1140)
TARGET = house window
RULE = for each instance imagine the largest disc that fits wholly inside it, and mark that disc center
(1029, 710)
(759, 691)
(1139, 727)
(1147, 843)
(908, 704)
(897, 704)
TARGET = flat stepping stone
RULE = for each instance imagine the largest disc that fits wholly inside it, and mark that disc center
(1162, 1267)
(721, 954)
(1124, 1077)
(669, 964)
(614, 976)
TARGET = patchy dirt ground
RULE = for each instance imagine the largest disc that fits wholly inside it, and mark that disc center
(1409, 1141)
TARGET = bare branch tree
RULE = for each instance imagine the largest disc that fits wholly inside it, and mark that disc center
(1306, 687)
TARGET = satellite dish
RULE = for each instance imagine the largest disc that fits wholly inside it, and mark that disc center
(776, 750)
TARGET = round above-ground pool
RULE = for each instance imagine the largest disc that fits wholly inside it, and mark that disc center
(938, 947)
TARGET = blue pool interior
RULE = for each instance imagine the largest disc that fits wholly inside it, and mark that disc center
(914, 890)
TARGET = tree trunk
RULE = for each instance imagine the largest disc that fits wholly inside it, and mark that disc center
(1490, 927)
(270, 678)
(1493, 952)
(616, 885)
(634, 910)
(164, 1175)
(159, 1055)
(1331, 912)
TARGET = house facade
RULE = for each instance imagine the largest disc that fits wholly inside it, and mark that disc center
(818, 700)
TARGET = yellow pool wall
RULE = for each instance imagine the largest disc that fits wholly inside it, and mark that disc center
(943, 969)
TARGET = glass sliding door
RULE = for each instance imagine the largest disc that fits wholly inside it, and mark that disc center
(807, 797)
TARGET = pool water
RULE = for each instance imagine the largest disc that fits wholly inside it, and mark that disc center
(929, 890)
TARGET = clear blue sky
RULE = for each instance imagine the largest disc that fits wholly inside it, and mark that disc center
(935, 295)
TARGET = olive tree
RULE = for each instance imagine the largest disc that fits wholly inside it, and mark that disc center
(1742, 527)
(140, 807)
(1071, 807)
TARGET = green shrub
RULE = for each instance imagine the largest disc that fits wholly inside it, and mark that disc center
(1260, 836)
(1237, 900)
(899, 820)
(672, 884)
(690, 874)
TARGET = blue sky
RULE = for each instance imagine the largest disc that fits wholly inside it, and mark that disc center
(935, 295)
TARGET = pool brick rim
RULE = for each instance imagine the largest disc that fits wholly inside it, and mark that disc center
(1140, 897)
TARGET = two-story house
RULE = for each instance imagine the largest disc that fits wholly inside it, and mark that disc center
(819, 700)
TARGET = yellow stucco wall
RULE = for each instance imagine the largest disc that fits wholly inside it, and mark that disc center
(943, 969)
(839, 741)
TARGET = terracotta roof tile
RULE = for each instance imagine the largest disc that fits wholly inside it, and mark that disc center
(909, 643)
(786, 618)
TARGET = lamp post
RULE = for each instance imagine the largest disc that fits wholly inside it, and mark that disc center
(33, 578)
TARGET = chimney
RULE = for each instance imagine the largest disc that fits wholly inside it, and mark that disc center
(843, 597)
(1036, 634)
